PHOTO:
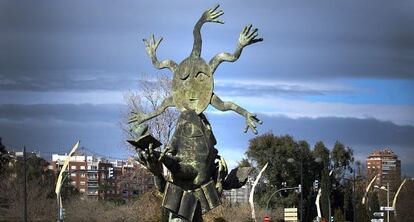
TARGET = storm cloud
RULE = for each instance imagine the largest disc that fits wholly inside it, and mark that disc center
(41, 42)
(326, 70)
(52, 127)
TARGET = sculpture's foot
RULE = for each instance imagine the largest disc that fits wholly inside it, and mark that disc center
(198, 217)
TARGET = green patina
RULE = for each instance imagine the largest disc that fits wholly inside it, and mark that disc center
(197, 173)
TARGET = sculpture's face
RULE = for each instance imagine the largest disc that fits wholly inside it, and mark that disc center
(193, 85)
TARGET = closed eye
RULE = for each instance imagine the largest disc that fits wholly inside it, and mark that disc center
(184, 76)
(201, 76)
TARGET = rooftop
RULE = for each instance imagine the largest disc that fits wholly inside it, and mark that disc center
(382, 153)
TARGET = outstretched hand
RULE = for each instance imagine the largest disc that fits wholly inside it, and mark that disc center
(148, 159)
(136, 118)
(222, 173)
(251, 120)
(247, 38)
(212, 14)
(152, 45)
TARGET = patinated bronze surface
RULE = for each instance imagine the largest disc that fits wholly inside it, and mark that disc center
(197, 174)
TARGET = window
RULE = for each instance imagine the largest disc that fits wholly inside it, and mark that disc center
(82, 167)
(82, 190)
(73, 174)
(73, 167)
(82, 183)
(82, 175)
(73, 183)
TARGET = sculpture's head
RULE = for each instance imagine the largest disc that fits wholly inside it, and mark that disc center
(193, 85)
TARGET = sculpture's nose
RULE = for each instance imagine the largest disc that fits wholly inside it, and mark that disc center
(193, 96)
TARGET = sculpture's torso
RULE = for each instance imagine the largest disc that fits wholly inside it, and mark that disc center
(193, 143)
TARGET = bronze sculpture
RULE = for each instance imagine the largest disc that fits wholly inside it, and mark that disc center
(197, 173)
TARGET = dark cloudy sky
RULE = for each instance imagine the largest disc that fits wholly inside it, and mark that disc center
(326, 70)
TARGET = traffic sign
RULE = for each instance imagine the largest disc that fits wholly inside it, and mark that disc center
(291, 214)
(110, 172)
(378, 214)
(387, 208)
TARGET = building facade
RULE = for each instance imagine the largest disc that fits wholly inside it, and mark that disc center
(241, 195)
(386, 165)
(100, 178)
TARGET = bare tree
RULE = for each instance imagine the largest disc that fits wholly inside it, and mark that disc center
(150, 94)
(41, 203)
(136, 181)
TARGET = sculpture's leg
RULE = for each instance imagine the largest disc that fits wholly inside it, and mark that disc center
(174, 218)
(165, 215)
(198, 216)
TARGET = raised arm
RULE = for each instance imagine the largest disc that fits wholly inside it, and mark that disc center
(251, 118)
(151, 48)
(210, 15)
(142, 117)
(246, 38)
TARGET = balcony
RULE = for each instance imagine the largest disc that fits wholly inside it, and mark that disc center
(92, 178)
(92, 170)
(93, 192)
(93, 185)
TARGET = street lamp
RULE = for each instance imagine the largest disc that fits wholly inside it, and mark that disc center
(279, 190)
(291, 160)
(388, 198)
(353, 180)
(25, 158)
(318, 160)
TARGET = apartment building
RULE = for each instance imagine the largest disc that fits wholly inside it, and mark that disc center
(98, 177)
(386, 165)
(241, 195)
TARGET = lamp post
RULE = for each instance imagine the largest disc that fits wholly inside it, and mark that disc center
(25, 184)
(325, 166)
(282, 189)
(388, 198)
(291, 160)
(353, 180)
(23, 158)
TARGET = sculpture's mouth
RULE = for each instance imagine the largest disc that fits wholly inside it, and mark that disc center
(193, 103)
